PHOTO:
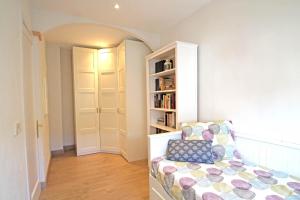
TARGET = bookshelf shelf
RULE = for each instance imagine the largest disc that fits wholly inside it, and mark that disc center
(164, 73)
(164, 109)
(165, 128)
(171, 93)
(163, 91)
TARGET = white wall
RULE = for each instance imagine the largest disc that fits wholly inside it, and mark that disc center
(67, 96)
(12, 148)
(54, 96)
(18, 147)
(60, 85)
(249, 58)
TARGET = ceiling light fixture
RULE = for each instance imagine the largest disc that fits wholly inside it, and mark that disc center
(117, 7)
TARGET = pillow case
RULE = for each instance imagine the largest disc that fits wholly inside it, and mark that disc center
(221, 134)
(199, 151)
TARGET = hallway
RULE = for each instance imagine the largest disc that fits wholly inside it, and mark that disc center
(97, 176)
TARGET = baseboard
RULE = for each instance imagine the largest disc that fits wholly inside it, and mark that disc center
(57, 152)
(69, 147)
(112, 151)
(35, 195)
(44, 183)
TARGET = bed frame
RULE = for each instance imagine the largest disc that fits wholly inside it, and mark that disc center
(157, 145)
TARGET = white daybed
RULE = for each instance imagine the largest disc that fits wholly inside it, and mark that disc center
(240, 179)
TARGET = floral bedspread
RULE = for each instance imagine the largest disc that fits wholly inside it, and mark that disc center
(227, 180)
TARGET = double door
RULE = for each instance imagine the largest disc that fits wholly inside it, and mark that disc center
(96, 103)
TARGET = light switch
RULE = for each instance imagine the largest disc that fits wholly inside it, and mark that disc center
(17, 130)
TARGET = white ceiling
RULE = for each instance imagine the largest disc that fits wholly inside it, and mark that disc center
(147, 15)
(86, 35)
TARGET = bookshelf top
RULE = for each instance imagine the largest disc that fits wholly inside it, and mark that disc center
(167, 50)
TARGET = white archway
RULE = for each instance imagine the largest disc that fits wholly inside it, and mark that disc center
(44, 20)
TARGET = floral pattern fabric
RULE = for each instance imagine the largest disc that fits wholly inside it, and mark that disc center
(224, 180)
(198, 151)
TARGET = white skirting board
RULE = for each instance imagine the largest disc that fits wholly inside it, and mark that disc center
(35, 195)
(278, 156)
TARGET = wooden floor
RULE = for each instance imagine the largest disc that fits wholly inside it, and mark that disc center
(97, 176)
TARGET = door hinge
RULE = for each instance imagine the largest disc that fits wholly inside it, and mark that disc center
(37, 129)
(38, 125)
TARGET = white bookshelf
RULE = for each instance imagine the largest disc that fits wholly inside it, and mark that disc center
(184, 57)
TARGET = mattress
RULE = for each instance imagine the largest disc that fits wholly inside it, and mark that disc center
(227, 180)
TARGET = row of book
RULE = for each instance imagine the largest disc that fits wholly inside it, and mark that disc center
(165, 101)
(169, 120)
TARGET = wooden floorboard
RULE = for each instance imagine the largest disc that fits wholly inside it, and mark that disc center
(95, 177)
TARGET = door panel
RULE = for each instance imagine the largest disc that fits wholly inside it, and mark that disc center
(86, 100)
(122, 100)
(41, 107)
(108, 100)
(29, 117)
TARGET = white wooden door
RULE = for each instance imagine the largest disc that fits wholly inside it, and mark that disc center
(108, 100)
(121, 70)
(29, 115)
(41, 107)
(86, 100)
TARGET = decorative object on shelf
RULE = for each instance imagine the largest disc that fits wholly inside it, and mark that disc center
(169, 83)
(167, 64)
(165, 83)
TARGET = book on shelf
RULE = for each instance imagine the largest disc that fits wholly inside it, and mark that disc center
(170, 119)
(159, 66)
(160, 131)
(157, 88)
(167, 101)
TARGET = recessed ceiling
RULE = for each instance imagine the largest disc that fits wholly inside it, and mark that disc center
(147, 15)
(86, 35)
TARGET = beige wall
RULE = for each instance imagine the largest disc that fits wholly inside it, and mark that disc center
(67, 96)
(54, 96)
